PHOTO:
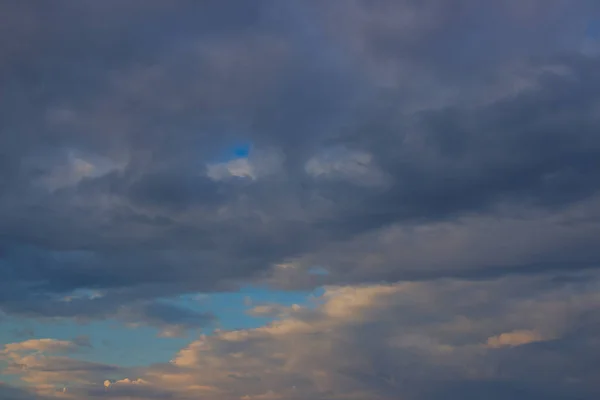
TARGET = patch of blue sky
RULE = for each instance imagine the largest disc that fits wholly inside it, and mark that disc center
(112, 342)
(233, 151)
(242, 150)
(232, 308)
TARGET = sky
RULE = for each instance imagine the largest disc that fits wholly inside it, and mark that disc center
(300, 199)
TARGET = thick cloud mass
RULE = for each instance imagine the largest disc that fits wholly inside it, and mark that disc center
(383, 142)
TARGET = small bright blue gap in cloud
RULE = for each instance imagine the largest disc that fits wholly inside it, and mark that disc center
(242, 150)
(233, 151)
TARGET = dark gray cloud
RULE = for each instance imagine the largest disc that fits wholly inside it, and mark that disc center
(497, 390)
(12, 393)
(108, 149)
(171, 319)
(390, 140)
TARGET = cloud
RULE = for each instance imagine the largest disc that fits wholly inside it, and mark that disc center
(173, 320)
(47, 364)
(273, 310)
(260, 164)
(389, 341)
(346, 165)
(515, 338)
(169, 317)
(43, 345)
(413, 340)
(513, 240)
(444, 150)
(12, 393)
(127, 141)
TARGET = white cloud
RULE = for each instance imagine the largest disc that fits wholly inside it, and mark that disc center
(240, 167)
(260, 163)
(514, 338)
(41, 345)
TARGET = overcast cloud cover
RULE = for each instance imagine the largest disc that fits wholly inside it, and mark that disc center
(433, 166)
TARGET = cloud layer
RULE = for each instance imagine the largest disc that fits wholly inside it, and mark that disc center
(418, 156)
(388, 341)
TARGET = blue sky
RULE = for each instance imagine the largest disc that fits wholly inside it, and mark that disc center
(291, 200)
(114, 343)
